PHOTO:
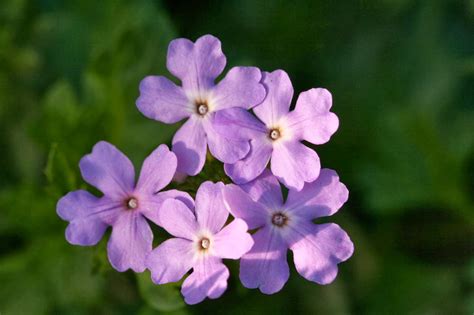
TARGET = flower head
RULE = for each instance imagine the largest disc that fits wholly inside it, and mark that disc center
(277, 133)
(317, 248)
(197, 65)
(201, 242)
(124, 205)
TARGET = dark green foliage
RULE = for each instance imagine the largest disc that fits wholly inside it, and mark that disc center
(402, 77)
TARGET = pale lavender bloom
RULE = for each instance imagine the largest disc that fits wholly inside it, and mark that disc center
(124, 205)
(317, 248)
(277, 133)
(197, 65)
(201, 242)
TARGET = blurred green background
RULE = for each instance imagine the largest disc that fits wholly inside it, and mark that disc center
(402, 77)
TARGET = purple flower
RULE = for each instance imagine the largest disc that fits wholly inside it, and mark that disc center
(124, 205)
(317, 248)
(200, 244)
(278, 134)
(197, 65)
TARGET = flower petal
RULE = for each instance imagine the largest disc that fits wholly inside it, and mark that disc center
(109, 170)
(311, 120)
(321, 198)
(265, 265)
(223, 149)
(318, 249)
(294, 164)
(240, 205)
(162, 100)
(84, 212)
(241, 87)
(248, 168)
(210, 209)
(151, 205)
(170, 261)
(189, 145)
(130, 242)
(198, 64)
(278, 100)
(237, 123)
(157, 170)
(209, 279)
(177, 219)
(232, 241)
(266, 190)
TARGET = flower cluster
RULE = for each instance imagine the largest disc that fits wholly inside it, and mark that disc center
(219, 119)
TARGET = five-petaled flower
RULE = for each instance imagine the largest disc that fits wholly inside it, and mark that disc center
(279, 132)
(124, 205)
(201, 242)
(197, 65)
(317, 248)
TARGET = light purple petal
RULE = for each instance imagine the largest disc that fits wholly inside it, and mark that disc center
(130, 242)
(266, 190)
(109, 170)
(177, 219)
(182, 196)
(209, 279)
(318, 249)
(157, 170)
(189, 145)
(278, 100)
(321, 198)
(238, 124)
(170, 261)
(84, 212)
(162, 100)
(198, 64)
(232, 241)
(241, 87)
(150, 206)
(265, 265)
(240, 205)
(294, 164)
(223, 149)
(210, 209)
(311, 120)
(247, 169)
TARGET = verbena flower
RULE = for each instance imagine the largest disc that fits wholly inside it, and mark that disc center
(124, 205)
(201, 242)
(317, 248)
(218, 118)
(197, 65)
(277, 133)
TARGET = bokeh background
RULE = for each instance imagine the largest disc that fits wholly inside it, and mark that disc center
(402, 77)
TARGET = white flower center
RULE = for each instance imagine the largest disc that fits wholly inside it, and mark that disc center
(132, 203)
(204, 243)
(279, 219)
(274, 134)
(202, 107)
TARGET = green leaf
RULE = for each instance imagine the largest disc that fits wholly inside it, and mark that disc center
(405, 287)
(147, 310)
(61, 102)
(27, 212)
(48, 272)
(165, 297)
(59, 173)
